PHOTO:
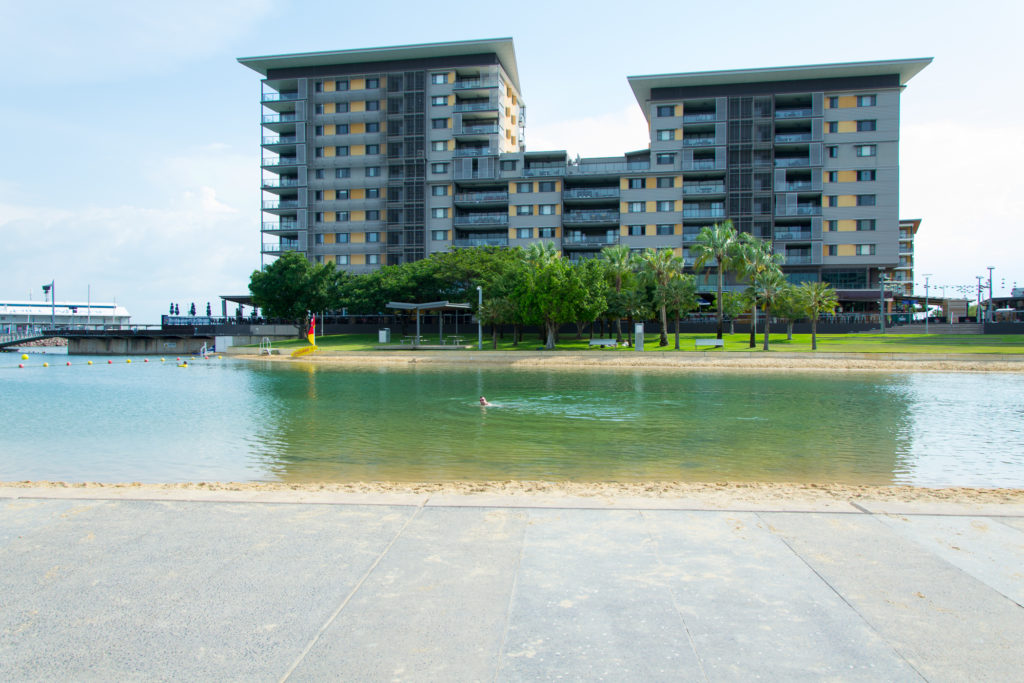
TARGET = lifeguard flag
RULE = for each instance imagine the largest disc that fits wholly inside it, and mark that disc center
(311, 335)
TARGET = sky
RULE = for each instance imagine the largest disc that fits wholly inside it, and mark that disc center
(132, 163)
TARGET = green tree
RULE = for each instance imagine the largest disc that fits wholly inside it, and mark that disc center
(790, 307)
(818, 298)
(679, 297)
(768, 286)
(658, 267)
(717, 245)
(621, 266)
(291, 288)
(549, 293)
(755, 257)
(635, 305)
(734, 304)
(591, 292)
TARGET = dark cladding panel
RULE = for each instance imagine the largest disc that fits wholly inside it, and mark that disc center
(375, 67)
(775, 87)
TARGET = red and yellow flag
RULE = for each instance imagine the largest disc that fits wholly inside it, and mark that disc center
(311, 335)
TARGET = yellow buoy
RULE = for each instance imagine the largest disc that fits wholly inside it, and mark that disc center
(128, 360)
(162, 360)
(46, 365)
(89, 362)
(24, 356)
(220, 357)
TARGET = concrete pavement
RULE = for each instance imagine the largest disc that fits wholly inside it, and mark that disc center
(465, 589)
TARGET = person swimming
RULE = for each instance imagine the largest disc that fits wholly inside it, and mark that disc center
(483, 402)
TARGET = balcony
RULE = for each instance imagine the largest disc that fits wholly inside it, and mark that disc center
(482, 219)
(271, 204)
(481, 197)
(589, 241)
(591, 217)
(798, 185)
(610, 167)
(699, 117)
(270, 96)
(280, 139)
(793, 113)
(704, 212)
(700, 165)
(476, 106)
(280, 161)
(545, 171)
(485, 129)
(475, 83)
(474, 152)
(279, 227)
(702, 141)
(787, 162)
(281, 181)
(481, 242)
(703, 188)
(280, 118)
(278, 248)
(800, 260)
(793, 137)
(798, 210)
(793, 235)
(591, 193)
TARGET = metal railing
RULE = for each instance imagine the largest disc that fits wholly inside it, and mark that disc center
(701, 165)
(793, 137)
(716, 212)
(274, 248)
(280, 118)
(693, 142)
(793, 113)
(481, 197)
(280, 139)
(787, 162)
(481, 242)
(591, 193)
(474, 152)
(610, 166)
(280, 203)
(482, 219)
(799, 185)
(798, 210)
(697, 118)
(280, 161)
(477, 130)
(589, 240)
(280, 226)
(595, 216)
(474, 83)
(475, 106)
(279, 96)
(792, 234)
(281, 181)
(703, 188)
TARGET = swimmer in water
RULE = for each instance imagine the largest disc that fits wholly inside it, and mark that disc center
(483, 401)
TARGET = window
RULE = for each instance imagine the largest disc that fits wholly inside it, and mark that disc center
(524, 210)
(438, 235)
(318, 217)
(318, 152)
(439, 101)
(341, 151)
(636, 207)
(865, 250)
(831, 226)
(523, 188)
(372, 171)
(318, 109)
(439, 79)
(318, 195)
(508, 165)
(319, 174)
(341, 194)
(341, 216)
(341, 129)
(833, 126)
(319, 259)
(833, 250)
(342, 172)
(867, 100)
(666, 205)
(866, 224)
(318, 86)
(439, 190)
(832, 200)
(865, 150)
(666, 181)
(372, 83)
(636, 183)
(373, 259)
(373, 105)
(865, 200)
(666, 110)
(341, 85)
(870, 124)
(318, 239)
(524, 233)
(438, 123)
(371, 193)
(439, 213)
(545, 232)
(833, 102)
(866, 175)
(666, 134)
(341, 259)
(373, 149)
(371, 127)
(439, 168)
(318, 130)
(439, 146)
(341, 237)
(636, 231)
(546, 186)
(665, 158)
(373, 215)
(833, 176)
(833, 152)
(664, 229)
(373, 237)
(340, 107)
(546, 209)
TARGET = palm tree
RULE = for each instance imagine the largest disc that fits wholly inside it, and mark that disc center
(658, 267)
(756, 256)
(540, 254)
(621, 262)
(769, 285)
(681, 297)
(817, 297)
(718, 244)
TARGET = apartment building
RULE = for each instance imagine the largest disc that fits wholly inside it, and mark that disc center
(386, 155)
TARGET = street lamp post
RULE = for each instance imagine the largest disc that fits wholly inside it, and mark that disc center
(479, 323)
(882, 281)
(53, 303)
(977, 311)
(927, 311)
(988, 317)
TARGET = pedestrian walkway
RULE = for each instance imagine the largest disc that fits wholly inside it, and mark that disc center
(450, 589)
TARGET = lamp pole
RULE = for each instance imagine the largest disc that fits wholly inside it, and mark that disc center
(479, 324)
(989, 316)
(927, 311)
(52, 291)
(977, 311)
(881, 300)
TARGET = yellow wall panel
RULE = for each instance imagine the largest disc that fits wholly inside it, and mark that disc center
(330, 108)
(330, 129)
(624, 230)
(558, 209)
(511, 233)
(677, 229)
(330, 195)
(847, 126)
(330, 259)
(512, 188)
(328, 151)
(846, 101)
(357, 193)
(558, 186)
(558, 232)
(357, 238)
(357, 84)
(847, 176)
(357, 105)
(679, 110)
(678, 205)
(847, 200)
(451, 100)
(357, 259)
(623, 206)
(358, 128)
(330, 217)
(650, 183)
(847, 250)
(677, 181)
(358, 150)
(451, 145)
(328, 86)
(623, 184)
(329, 238)
(511, 210)
(678, 251)
(652, 205)
(847, 225)
(358, 215)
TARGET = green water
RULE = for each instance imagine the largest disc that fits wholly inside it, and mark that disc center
(232, 420)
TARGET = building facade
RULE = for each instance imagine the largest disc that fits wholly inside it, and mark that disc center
(386, 155)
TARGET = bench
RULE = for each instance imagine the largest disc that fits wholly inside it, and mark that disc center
(603, 342)
(710, 342)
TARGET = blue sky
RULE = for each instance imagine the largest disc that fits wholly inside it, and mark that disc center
(132, 147)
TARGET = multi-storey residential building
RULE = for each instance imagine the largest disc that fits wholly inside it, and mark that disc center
(386, 155)
(902, 276)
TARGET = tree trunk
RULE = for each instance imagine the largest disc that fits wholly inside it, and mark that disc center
(663, 339)
(789, 330)
(677, 330)
(718, 301)
(618, 330)
(494, 336)
(629, 331)
(753, 325)
(767, 325)
(515, 334)
(814, 333)
(549, 327)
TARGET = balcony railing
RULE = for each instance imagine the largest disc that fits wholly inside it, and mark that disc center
(280, 161)
(280, 118)
(793, 113)
(559, 170)
(280, 139)
(590, 240)
(798, 210)
(482, 219)
(798, 185)
(591, 193)
(481, 197)
(282, 181)
(478, 130)
(275, 248)
(714, 212)
(590, 217)
(609, 167)
(280, 96)
(474, 83)
(793, 137)
(701, 141)
(798, 259)
(481, 242)
(699, 117)
(792, 235)
(280, 226)
(792, 161)
(280, 204)
(703, 188)
(703, 165)
(474, 151)
(475, 106)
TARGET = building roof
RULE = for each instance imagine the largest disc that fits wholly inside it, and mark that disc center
(904, 68)
(63, 308)
(502, 47)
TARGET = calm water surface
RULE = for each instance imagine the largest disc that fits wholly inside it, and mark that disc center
(233, 420)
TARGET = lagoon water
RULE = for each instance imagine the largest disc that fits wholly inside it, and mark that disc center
(229, 420)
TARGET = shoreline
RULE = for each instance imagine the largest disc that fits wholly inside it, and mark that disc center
(713, 360)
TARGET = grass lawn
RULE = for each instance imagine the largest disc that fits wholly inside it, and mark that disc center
(852, 343)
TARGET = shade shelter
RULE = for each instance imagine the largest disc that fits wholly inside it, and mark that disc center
(430, 306)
